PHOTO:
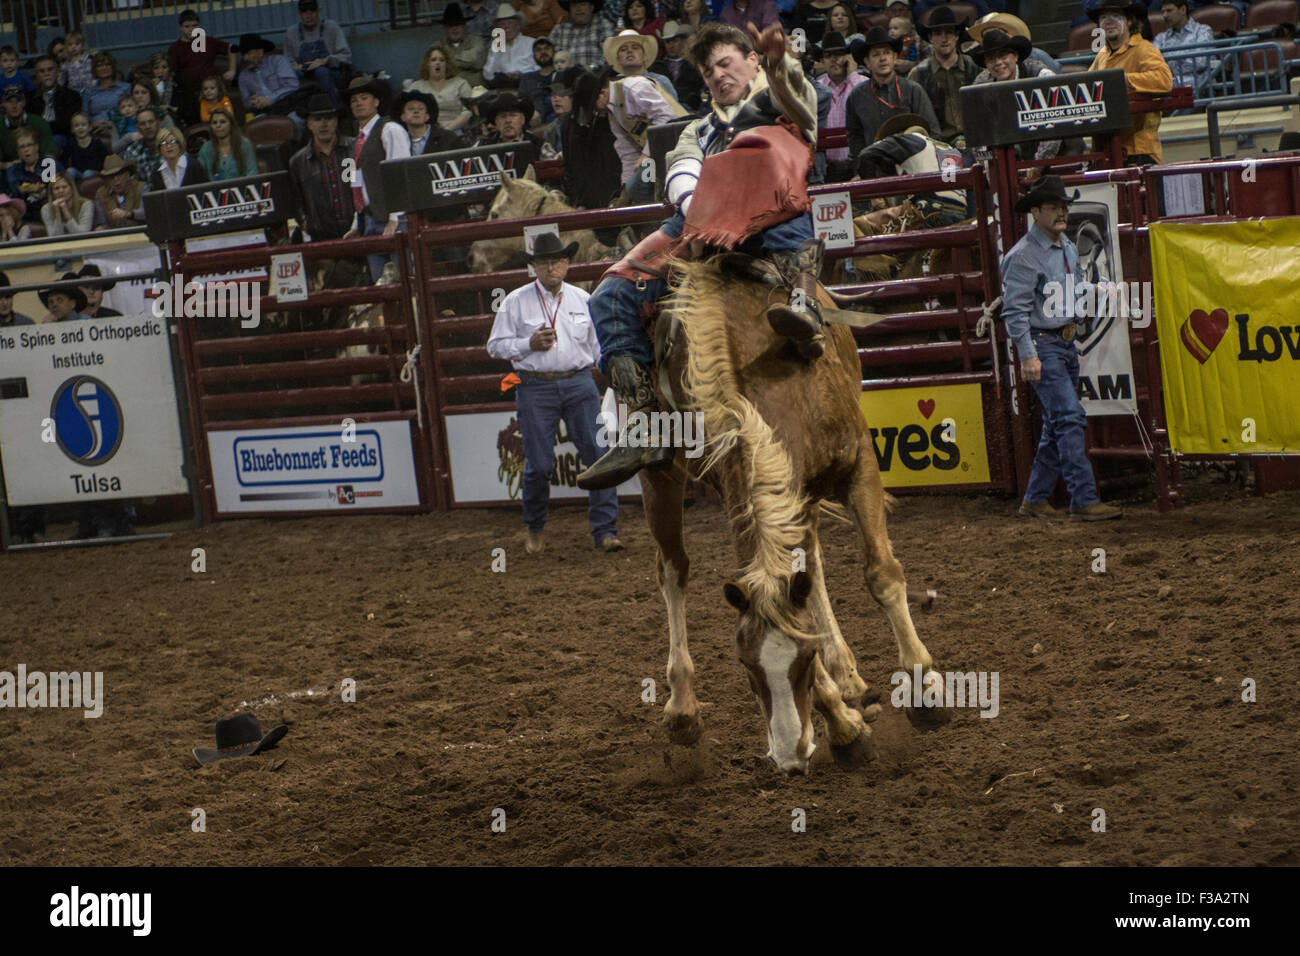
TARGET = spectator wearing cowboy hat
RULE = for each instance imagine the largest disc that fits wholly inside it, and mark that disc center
(637, 101)
(322, 193)
(418, 113)
(510, 59)
(630, 53)
(121, 197)
(1048, 359)
(885, 95)
(562, 103)
(507, 115)
(378, 139)
(94, 293)
(8, 317)
(267, 80)
(944, 72)
(593, 171)
(65, 304)
(1005, 57)
(840, 79)
(583, 33)
(536, 83)
(468, 51)
(545, 330)
(674, 65)
(1145, 71)
(1008, 23)
(318, 49)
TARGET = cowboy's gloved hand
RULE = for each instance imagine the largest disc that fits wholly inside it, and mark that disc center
(770, 44)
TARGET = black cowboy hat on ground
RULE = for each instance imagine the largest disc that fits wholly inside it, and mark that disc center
(453, 16)
(90, 269)
(832, 45)
(251, 41)
(901, 124)
(239, 736)
(995, 41)
(321, 105)
(72, 292)
(1047, 189)
(415, 96)
(505, 101)
(369, 84)
(876, 36)
(943, 17)
(548, 246)
(1135, 10)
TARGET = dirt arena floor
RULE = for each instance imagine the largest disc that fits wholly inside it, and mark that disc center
(522, 691)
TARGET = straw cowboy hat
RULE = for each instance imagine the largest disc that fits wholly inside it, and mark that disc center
(116, 164)
(943, 17)
(507, 12)
(72, 292)
(547, 246)
(239, 736)
(1047, 189)
(673, 29)
(902, 123)
(649, 46)
(1006, 22)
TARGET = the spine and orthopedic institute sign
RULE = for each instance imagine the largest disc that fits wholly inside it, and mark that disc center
(88, 411)
(326, 468)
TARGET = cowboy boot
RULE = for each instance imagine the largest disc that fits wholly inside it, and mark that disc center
(803, 325)
(632, 385)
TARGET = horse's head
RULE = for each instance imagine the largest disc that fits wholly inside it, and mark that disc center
(517, 198)
(780, 667)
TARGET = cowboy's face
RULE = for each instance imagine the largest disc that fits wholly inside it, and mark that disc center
(838, 65)
(1175, 15)
(1115, 26)
(580, 12)
(510, 25)
(94, 296)
(728, 73)
(1052, 217)
(509, 125)
(119, 180)
(944, 41)
(415, 115)
(46, 74)
(147, 124)
(364, 105)
(1002, 65)
(61, 304)
(676, 46)
(543, 53)
(551, 270)
(631, 55)
(880, 61)
(324, 127)
(456, 33)
(252, 57)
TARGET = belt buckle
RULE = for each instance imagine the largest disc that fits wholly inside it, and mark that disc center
(1068, 331)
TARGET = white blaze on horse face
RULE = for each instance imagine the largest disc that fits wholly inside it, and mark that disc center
(786, 733)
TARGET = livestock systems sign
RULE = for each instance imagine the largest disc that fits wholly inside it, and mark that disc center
(928, 436)
(486, 452)
(88, 411)
(368, 465)
(253, 202)
(1229, 338)
(1049, 107)
(456, 177)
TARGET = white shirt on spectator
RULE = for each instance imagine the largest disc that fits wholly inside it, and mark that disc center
(522, 314)
(397, 145)
(172, 180)
(642, 100)
(517, 57)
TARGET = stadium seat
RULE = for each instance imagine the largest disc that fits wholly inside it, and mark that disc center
(1219, 17)
(960, 9)
(90, 186)
(1158, 24)
(1269, 13)
(868, 20)
(1074, 68)
(1080, 40)
(271, 129)
(38, 230)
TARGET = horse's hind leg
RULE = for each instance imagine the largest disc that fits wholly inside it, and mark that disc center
(662, 495)
(836, 654)
(865, 501)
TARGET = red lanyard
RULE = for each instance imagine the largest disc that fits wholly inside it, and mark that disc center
(550, 316)
(898, 89)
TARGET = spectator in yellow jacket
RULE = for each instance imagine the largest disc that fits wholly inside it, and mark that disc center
(1145, 71)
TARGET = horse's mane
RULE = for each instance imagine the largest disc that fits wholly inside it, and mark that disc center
(769, 516)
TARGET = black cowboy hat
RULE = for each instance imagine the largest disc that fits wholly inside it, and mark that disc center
(365, 83)
(489, 107)
(586, 90)
(597, 5)
(1128, 9)
(251, 41)
(72, 292)
(566, 80)
(943, 17)
(876, 36)
(239, 736)
(832, 44)
(899, 124)
(547, 246)
(1047, 189)
(453, 16)
(90, 269)
(995, 41)
(320, 105)
(416, 96)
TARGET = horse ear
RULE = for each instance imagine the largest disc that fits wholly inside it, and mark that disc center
(507, 181)
(800, 588)
(530, 174)
(735, 596)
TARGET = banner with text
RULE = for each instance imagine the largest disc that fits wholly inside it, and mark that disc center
(928, 436)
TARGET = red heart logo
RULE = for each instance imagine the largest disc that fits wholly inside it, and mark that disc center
(926, 405)
(1201, 333)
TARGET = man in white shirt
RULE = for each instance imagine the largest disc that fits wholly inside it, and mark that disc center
(544, 329)
(510, 54)
(637, 101)
(378, 139)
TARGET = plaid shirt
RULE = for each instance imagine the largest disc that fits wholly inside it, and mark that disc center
(583, 42)
(77, 74)
(146, 159)
(1187, 70)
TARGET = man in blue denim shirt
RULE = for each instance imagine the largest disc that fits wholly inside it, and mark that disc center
(1048, 358)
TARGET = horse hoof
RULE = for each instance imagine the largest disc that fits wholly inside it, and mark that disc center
(852, 755)
(872, 712)
(929, 718)
(683, 729)
(855, 688)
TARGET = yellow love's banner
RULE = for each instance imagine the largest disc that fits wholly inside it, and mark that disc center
(1227, 301)
(928, 436)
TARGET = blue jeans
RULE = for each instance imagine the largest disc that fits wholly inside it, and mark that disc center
(541, 404)
(327, 78)
(1061, 451)
(375, 227)
(618, 305)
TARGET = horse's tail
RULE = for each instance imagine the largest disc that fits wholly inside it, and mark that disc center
(768, 513)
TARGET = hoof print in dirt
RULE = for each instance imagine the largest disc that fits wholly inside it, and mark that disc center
(853, 755)
(929, 718)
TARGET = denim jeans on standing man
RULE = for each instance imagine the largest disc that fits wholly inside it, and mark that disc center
(1061, 451)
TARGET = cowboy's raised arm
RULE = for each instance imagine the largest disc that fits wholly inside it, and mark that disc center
(684, 162)
(792, 94)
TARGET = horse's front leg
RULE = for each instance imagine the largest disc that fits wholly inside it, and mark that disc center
(662, 493)
(836, 654)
